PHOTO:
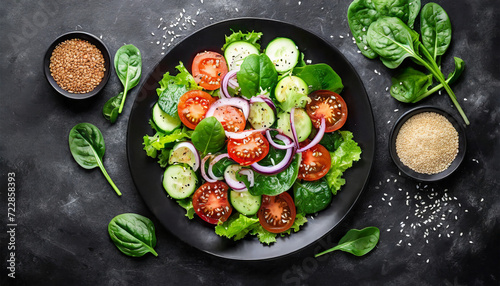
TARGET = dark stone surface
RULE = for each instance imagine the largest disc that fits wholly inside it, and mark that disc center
(62, 210)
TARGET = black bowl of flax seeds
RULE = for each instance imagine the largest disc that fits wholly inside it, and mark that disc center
(427, 143)
(77, 65)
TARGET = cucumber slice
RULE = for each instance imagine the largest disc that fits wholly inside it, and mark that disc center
(289, 86)
(261, 115)
(283, 53)
(236, 52)
(244, 202)
(303, 124)
(183, 155)
(179, 181)
(164, 121)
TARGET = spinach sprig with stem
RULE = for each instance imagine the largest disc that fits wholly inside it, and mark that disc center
(394, 41)
(86, 144)
(128, 67)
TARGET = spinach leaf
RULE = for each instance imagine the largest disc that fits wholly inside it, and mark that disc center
(87, 147)
(332, 140)
(362, 13)
(208, 136)
(435, 27)
(320, 76)
(409, 84)
(414, 9)
(169, 99)
(273, 185)
(133, 234)
(357, 242)
(311, 197)
(221, 165)
(110, 109)
(392, 40)
(257, 74)
(128, 67)
(250, 37)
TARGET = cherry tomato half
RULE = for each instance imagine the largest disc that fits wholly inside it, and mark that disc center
(329, 105)
(315, 162)
(231, 118)
(210, 202)
(277, 213)
(248, 150)
(208, 69)
(192, 107)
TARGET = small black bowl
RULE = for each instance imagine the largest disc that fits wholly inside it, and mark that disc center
(426, 177)
(91, 39)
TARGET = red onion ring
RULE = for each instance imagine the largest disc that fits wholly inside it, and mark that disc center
(282, 138)
(249, 174)
(232, 182)
(203, 174)
(292, 126)
(317, 138)
(243, 134)
(225, 81)
(272, 170)
(212, 163)
(233, 101)
(191, 148)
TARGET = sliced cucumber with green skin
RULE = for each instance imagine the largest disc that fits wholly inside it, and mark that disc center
(179, 181)
(288, 86)
(261, 115)
(236, 52)
(182, 154)
(283, 53)
(164, 121)
(244, 202)
(303, 124)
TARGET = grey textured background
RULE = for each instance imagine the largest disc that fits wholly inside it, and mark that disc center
(62, 211)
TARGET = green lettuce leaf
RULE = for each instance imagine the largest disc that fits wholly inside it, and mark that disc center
(237, 227)
(250, 37)
(188, 205)
(155, 143)
(346, 154)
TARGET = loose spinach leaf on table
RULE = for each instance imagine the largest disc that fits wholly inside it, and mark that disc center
(311, 197)
(133, 234)
(208, 136)
(128, 67)
(435, 28)
(257, 74)
(414, 8)
(87, 146)
(409, 84)
(362, 13)
(320, 76)
(110, 109)
(357, 242)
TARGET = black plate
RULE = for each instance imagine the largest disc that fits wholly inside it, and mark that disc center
(147, 174)
(462, 144)
(89, 38)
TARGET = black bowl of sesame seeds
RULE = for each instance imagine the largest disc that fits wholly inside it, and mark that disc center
(77, 65)
(427, 143)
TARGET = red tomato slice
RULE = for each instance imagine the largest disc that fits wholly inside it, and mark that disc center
(192, 107)
(210, 202)
(249, 150)
(315, 162)
(329, 105)
(208, 69)
(277, 213)
(231, 118)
